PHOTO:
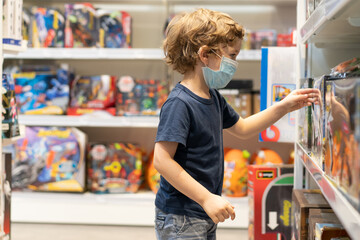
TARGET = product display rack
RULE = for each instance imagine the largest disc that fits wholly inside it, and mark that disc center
(110, 54)
(332, 35)
(124, 209)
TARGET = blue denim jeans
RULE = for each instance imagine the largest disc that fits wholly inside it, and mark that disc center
(172, 226)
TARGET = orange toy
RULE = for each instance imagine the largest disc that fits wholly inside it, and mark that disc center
(235, 173)
(152, 176)
(266, 157)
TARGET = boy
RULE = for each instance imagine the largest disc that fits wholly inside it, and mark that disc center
(189, 155)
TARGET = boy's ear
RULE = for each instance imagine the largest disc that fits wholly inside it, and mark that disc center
(204, 54)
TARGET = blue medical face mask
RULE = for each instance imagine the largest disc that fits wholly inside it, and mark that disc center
(221, 78)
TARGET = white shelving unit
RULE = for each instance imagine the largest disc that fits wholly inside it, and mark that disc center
(332, 34)
(111, 54)
(117, 209)
(88, 121)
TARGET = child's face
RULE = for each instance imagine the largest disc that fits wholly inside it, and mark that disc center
(227, 50)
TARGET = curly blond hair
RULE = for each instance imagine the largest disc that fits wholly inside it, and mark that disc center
(187, 32)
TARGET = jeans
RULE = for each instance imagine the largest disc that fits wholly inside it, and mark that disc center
(172, 226)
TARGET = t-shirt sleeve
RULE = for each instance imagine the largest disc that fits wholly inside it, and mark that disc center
(174, 122)
(230, 116)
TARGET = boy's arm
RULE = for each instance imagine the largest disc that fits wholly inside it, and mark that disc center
(215, 206)
(248, 127)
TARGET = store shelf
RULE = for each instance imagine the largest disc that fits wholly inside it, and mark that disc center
(10, 50)
(88, 121)
(333, 21)
(347, 214)
(112, 209)
(109, 54)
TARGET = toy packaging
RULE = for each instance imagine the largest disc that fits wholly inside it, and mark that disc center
(50, 159)
(278, 79)
(304, 118)
(269, 191)
(342, 148)
(320, 216)
(263, 38)
(140, 97)
(81, 26)
(93, 92)
(11, 24)
(152, 176)
(111, 111)
(10, 124)
(302, 202)
(5, 225)
(42, 92)
(325, 231)
(115, 29)
(235, 173)
(115, 167)
(317, 122)
(47, 27)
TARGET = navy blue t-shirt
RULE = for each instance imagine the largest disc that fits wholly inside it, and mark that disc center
(197, 125)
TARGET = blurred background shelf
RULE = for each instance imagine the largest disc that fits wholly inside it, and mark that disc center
(109, 53)
(88, 121)
(110, 209)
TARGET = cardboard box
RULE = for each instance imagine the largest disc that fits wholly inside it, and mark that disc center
(8, 28)
(302, 201)
(320, 216)
(327, 231)
(255, 101)
(305, 126)
(269, 191)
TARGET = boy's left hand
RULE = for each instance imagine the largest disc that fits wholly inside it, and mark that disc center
(300, 98)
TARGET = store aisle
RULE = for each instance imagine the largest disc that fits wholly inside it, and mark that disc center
(23, 231)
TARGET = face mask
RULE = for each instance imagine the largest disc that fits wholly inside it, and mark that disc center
(221, 78)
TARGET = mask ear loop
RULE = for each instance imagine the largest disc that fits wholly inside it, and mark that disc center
(216, 54)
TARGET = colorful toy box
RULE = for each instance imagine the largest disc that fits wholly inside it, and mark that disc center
(50, 159)
(93, 92)
(320, 216)
(115, 167)
(115, 29)
(48, 26)
(278, 79)
(342, 148)
(140, 97)
(81, 26)
(42, 92)
(302, 202)
(269, 192)
(325, 231)
(304, 118)
(10, 124)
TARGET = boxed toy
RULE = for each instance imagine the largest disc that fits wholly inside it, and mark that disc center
(81, 26)
(111, 111)
(302, 201)
(328, 231)
(269, 191)
(320, 216)
(342, 161)
(263, 38)
(317, 122)
(42, 92)
(10, 124)
(140, 97)
(93, 92)
(50, 159)
(115, 29)
(5, 225)
(115, 167)
(47, 26)
(278, 79)
(304, 119)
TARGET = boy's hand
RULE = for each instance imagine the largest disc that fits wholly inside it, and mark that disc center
(218, 208)
(300, 98)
